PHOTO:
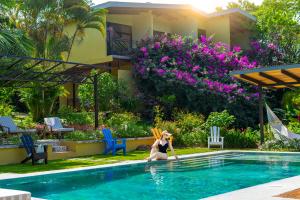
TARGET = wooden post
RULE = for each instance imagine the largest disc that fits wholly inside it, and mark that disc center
(96, 101)
(74, 95)
(261, 114)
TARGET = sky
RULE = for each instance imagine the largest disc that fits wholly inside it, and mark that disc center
(204, 5)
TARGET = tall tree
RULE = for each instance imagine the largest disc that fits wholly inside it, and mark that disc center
(278, 21)
(12, 40)
(245, 5)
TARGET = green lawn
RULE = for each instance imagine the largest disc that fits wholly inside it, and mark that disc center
(89, 161)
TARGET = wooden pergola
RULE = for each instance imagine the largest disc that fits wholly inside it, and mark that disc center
(274, 77)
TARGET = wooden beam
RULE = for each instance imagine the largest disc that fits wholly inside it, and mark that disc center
(291, 75)
(274, 79)
(253, 80)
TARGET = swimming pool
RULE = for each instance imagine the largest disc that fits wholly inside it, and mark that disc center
(191, 178)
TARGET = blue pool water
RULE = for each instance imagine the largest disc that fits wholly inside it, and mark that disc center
(192, 178)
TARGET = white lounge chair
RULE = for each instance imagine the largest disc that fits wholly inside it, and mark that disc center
(215, 138)
(54, 125)
(8, 126)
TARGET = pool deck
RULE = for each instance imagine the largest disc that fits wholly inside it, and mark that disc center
(267, 191)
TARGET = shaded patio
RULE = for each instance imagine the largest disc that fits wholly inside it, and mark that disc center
(21, 72)
(273, 77)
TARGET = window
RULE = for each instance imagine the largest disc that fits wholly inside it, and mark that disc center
(119, 38)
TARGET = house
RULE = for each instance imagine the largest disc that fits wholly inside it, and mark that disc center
(127, 23)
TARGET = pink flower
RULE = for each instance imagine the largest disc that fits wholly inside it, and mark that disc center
(237, 49)
(195, 68)
(157, 45)
(143, 49)
(164, 59)
(272, 46)
(161, 72)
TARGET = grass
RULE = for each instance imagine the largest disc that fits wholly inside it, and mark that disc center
(89, 161)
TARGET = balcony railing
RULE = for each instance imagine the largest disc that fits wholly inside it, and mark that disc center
(118, 46)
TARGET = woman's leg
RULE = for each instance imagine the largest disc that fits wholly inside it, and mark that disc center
(152, 154)
(161, 156)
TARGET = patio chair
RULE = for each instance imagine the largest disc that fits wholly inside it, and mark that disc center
(54, 125)
(34, 152)
(215, 138)
(8, 126)
(111, 144)
(157, 134)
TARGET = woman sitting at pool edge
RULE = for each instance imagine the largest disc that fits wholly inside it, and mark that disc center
(159, 148)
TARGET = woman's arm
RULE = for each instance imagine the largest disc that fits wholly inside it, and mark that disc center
(172, 150)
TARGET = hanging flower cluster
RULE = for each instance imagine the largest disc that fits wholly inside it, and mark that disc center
(200, 64)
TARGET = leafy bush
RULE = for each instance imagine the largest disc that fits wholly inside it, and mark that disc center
(83, 135)
(187, 128)
(294, 126)
(25, 122)
(290, 145)
(195, 138)
(118, 119)
(237, 139)
(127, 125)
(189, 121)
(107, 92)
(5, 109)
(71, 117)
(132, 130)
(221, 119)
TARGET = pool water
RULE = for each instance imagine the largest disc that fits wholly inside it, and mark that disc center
(192, 178)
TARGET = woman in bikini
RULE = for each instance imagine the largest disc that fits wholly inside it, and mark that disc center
(159, 148)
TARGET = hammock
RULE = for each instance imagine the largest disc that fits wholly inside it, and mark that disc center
(279, 130)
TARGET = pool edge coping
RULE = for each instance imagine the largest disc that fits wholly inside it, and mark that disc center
(7, 176)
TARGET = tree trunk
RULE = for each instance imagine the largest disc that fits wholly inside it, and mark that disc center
(72, 42)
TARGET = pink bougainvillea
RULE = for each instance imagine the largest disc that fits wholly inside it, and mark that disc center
(199, 64)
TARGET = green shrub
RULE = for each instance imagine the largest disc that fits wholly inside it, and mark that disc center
(279, 145)
(195, 138)
(69, 116)
(221, 119)
(132, 130)
(127, 125)
(5, 109)
(187, 122)
(187, 129)
(236, 139)
(24, 122)
(294, 126)
(83, 135)
(119, 119)
(107, 92)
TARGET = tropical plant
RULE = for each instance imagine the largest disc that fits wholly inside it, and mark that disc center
(291, 103)
(107, 92)
(13, 41)
(84, 17)
(241, 139)
(221, 119)
(40, 101)
(71, 117)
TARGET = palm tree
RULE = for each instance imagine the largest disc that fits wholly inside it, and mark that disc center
(85, 18)
(12, 40)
